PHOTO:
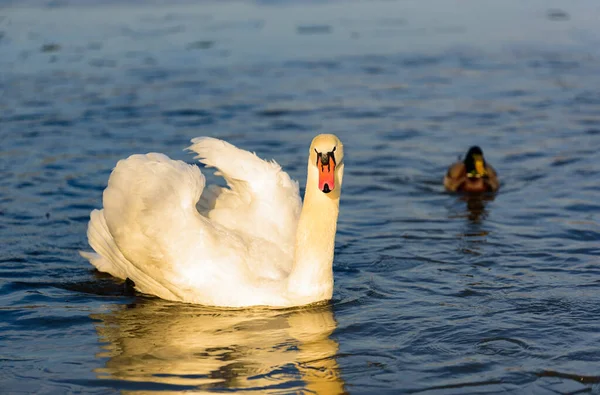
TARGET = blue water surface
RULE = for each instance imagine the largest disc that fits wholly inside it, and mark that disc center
(434, 293)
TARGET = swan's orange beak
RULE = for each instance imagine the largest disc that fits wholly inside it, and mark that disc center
(327, 176)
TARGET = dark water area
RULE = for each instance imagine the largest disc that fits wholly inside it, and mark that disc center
(434, 293)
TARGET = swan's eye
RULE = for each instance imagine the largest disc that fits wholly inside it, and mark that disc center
(325, 157)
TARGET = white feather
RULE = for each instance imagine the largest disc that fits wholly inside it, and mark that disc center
(238, 250)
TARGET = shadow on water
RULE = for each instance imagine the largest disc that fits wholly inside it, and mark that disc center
(156, 344)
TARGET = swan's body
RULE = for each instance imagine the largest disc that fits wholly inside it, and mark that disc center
(252, 243)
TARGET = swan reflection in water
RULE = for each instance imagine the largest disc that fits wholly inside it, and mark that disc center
(154, 342)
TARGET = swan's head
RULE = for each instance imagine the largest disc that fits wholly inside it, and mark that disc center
(327, 160)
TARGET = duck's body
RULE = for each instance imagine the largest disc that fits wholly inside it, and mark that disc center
(252, 243)
(471, 175)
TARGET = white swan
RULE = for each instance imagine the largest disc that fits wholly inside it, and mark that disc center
(249, 244)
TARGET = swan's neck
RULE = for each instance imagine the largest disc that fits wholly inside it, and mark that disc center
(312, 274)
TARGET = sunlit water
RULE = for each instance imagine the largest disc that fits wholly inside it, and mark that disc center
(433, 292)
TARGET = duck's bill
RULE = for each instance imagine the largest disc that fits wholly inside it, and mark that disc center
(327, 177)
(480, 167)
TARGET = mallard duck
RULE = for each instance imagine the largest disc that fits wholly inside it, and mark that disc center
(472, 174)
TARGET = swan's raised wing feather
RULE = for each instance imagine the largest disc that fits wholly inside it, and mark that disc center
(262, 200)
(150, 211)
(151, 231)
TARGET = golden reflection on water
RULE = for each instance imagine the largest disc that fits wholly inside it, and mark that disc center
(255, 350)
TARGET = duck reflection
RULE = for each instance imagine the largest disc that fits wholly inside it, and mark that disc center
(158, 342)
(474, 235)
(476, 211)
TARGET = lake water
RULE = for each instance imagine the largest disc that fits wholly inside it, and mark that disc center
(434, 293)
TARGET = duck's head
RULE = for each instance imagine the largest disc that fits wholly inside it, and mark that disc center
(326, 159)
(475, 163)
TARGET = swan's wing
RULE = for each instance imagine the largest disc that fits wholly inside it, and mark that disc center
(150, 212)
(108, 258)
(262, 200)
